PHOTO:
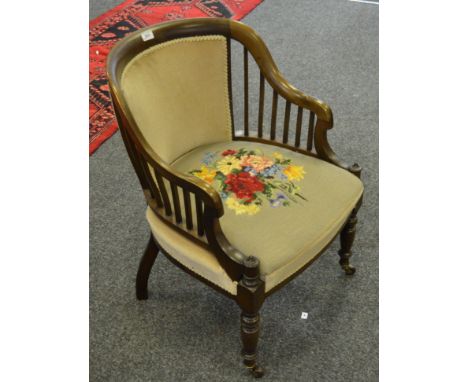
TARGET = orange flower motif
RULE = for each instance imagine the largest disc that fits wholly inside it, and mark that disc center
(257, 162)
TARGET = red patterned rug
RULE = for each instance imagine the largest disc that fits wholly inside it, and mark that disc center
(106, 30)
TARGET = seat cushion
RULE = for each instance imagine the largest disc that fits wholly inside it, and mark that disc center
(280, 206)
(185, 251)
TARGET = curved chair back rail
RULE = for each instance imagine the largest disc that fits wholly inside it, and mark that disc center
(171, 194)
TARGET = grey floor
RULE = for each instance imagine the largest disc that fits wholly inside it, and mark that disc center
(328, 48)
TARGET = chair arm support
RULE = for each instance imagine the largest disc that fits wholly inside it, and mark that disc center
(325, 152)
(219, 243)
(229, 257)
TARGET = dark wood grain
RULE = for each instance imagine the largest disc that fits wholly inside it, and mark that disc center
(261, 103)
(188, 210)
(144, 269)
(346, 240)
(287, 113)
(274, 111)
(165, 197)
(150, 180)
(297, 141)
(199, 210)
(251, 292)
(246, 92)
(229, 70)
(310, 131)
(176, 203)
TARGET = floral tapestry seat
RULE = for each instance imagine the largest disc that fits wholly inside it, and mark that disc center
(282, 206)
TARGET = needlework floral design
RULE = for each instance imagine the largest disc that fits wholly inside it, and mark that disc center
(247, 179)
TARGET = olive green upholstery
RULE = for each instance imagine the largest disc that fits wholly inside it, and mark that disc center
(283, 238)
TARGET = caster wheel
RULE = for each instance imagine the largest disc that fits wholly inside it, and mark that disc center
(258, 372)
(349, 270)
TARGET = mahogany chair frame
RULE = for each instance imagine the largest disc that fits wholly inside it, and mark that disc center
(166, 203)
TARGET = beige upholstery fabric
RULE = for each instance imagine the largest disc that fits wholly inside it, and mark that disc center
(177, 92)
(189, 254)
(283, 238)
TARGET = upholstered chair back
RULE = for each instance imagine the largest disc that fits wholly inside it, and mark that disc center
(178, 94)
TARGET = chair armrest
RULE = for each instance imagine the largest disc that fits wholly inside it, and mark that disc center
(259, 51)
(229, 257)
(319, 108)
(296, 96)
(324, 120)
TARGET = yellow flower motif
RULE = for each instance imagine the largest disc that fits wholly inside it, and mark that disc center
(278, 155)
(294, 172)
(227, 164)
(249, 209)
(206, 174)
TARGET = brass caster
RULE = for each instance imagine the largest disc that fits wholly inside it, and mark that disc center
(257, 371)
(345, 265)
(349, 270)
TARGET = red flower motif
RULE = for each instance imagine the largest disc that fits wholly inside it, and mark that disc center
(228, 152)
(244, 185)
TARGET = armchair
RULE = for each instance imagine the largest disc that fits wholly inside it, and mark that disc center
(242, 210)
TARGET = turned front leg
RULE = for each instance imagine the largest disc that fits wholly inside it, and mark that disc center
(346, 239)
(250, 297)
(250, 330)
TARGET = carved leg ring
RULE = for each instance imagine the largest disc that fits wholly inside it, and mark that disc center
(144, 269)
(250, 330)
(251, 291)
(346, 239)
